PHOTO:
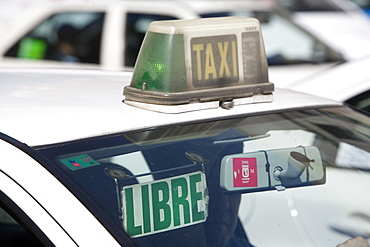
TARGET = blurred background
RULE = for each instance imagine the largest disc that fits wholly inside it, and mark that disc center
(304, 39)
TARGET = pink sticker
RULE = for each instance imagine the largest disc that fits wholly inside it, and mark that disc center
(245, 172)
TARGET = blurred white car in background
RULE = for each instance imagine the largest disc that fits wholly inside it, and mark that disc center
(107, 35)
(340, 23)
(347, 82)
(104, 35)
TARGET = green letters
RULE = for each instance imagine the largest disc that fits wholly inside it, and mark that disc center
(195, 197)
(146, 208)
(165, 204)
(131, 228)
(180, 184)
(160, 197)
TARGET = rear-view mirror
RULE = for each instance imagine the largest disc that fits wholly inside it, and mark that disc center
(272, 169)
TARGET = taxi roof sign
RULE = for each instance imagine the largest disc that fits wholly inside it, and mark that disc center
(186, 65)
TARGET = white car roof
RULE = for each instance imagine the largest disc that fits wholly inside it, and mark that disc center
(340, 82)
(40, 107)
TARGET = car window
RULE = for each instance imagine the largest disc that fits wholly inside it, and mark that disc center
(361, 101)
(68, 37)
(163, 185)
(309, 5)
(285, 42)
(365, 4)
(13, 228)
(136, 26)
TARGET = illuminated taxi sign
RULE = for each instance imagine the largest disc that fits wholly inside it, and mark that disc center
(165, 204)
(196, 64)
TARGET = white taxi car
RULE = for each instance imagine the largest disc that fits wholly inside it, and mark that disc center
(201, 150)
(340, 23)
(347, 82)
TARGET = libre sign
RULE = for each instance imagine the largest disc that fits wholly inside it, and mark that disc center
(165, 204)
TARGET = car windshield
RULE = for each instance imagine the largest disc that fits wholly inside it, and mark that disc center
(163, 186)
(309, 5)
(285, 42)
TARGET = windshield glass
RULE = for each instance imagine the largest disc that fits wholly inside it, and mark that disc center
(164, 185)
(309, 5)
(285, 42)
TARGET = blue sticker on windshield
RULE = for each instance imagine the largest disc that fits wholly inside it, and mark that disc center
(79, 161)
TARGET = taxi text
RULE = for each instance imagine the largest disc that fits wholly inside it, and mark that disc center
(214, 60)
